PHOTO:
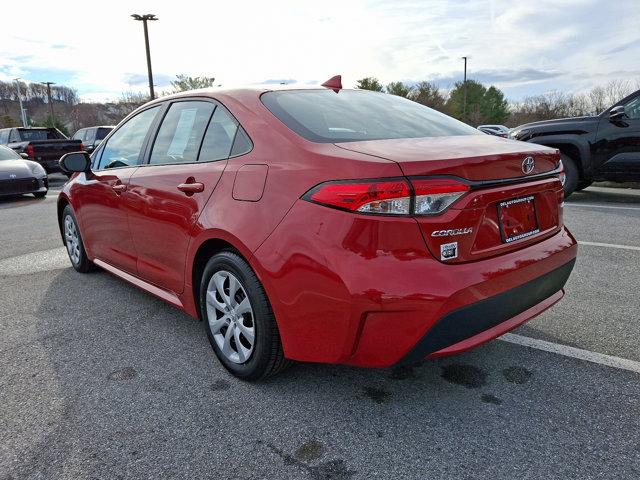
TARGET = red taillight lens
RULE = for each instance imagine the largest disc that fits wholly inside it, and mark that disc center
(81, 147)
(434, 196)
(30, 151)
(390, 197)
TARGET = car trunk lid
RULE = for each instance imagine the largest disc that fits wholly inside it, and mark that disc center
(510, 204)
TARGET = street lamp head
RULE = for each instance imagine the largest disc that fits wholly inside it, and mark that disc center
(148, 16)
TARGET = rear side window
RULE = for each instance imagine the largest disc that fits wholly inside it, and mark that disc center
(4, 136)
(102, 133)
(124, 146)
(355, 115)
(180, 135)
(219, 137)
(79, 135)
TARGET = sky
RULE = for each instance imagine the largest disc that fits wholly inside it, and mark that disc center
(523, 47)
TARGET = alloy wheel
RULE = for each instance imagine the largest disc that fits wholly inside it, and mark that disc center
(230, 316)
(72, 240)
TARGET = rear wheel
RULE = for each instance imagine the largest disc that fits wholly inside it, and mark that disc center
(40, 194)
(238, 318)
(572, 175)
(73, 242)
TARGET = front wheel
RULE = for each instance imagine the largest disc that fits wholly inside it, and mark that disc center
(238, 318)
(73, 242)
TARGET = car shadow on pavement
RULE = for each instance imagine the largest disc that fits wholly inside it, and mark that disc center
(605, 195)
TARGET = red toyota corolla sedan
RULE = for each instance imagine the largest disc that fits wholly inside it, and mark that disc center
(322, 224)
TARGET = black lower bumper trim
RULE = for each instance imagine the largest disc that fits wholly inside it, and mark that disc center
(485, 314)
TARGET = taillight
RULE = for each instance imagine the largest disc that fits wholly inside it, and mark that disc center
(30, 151)
(81, 147)
(562, 175)
(389, 197)
(386, 197)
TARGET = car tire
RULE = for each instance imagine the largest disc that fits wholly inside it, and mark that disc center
(40, 194)
(73, 241)
(238, 318)
(571, 173)
(582, 184)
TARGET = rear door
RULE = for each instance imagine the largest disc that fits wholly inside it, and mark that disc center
(99, 196)
(167, 194)
(617, 146)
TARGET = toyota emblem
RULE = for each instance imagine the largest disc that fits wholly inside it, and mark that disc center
(528, 164)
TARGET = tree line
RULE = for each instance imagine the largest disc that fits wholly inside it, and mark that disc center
(488, 105)
(484, 104)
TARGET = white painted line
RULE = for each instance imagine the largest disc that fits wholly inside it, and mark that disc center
(591, 205)
(572, 352)
(608, 245)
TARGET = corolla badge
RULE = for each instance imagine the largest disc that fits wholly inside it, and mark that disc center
(452, 232)
(528, 164)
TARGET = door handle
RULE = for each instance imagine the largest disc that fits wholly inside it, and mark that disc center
(191, 188)
(119, 188)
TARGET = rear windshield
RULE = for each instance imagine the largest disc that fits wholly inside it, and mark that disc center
(102, 132)
(39, 134)
(355, 115)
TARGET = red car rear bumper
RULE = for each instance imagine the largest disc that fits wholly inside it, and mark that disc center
(365, 291)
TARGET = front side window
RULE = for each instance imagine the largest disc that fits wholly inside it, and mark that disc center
(124, 147)
(632, 109)
(180, 135)
(79, 135)
(325, 116)
(89, 136)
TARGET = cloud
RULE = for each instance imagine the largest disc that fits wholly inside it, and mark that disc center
(522, 46)
(278, 81)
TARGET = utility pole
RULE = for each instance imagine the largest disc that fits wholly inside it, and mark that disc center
(53, 118)
(144, 19)
(464, 89)
(23, 113)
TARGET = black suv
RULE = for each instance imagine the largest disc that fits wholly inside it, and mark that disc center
(604, 147)
(92, 136)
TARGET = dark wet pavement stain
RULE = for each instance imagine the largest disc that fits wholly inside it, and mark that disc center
(220, 384)
(328, 470)
(488, 398)
(378, 395)
(308, 451)
(466, 375)
(124, 374)
(518, 375)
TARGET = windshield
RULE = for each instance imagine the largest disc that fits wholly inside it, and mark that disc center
(354, 115)
(8, 154)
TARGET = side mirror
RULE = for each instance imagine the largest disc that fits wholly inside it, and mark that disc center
(24, 155)
(616, 113)
(75, 162)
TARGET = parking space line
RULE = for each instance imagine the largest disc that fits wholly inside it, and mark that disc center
(572, 352)
(609, 245)
(591, 205)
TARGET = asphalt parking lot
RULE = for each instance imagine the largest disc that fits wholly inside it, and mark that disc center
(101, 380)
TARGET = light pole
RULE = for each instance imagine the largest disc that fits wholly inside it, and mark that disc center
(53, 118)
(144, 19)
(464, 89)
(23, 113)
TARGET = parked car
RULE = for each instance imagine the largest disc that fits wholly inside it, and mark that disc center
(321, 224)
(18, 175)
(601, 147)
(92, 136)
(497, 130)
(42, 145)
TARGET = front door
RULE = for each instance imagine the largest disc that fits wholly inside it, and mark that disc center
(167, 194)
(617, 147)
(100, 194)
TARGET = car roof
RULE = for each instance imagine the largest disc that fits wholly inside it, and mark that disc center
(241, 90)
